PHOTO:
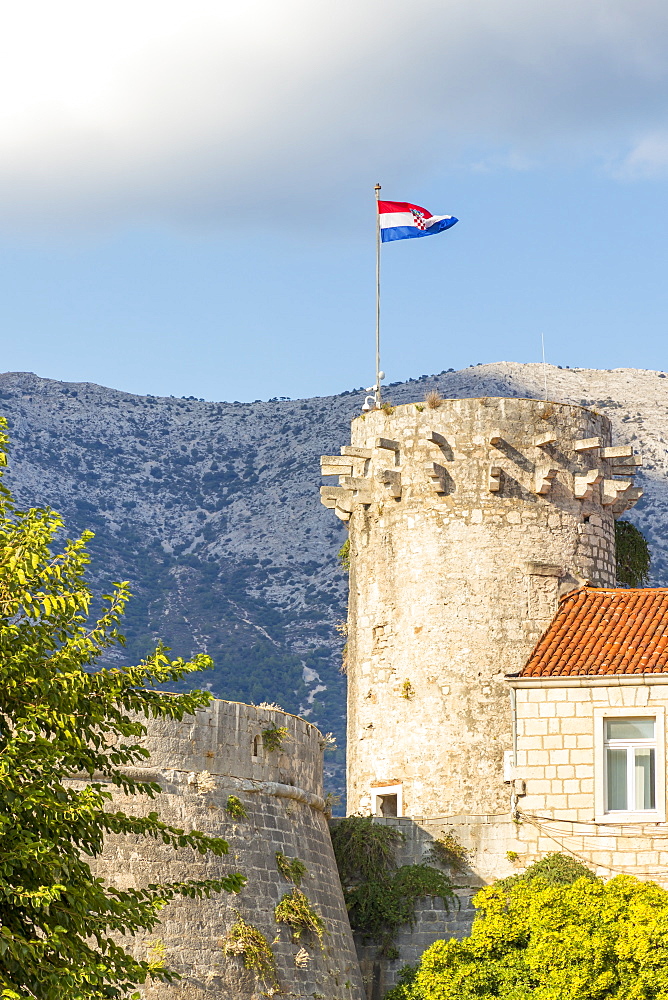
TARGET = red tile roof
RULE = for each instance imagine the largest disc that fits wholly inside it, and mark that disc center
(598, 631)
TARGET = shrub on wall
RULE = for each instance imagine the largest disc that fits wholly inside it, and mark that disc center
(252, 947)
(274, 737)
(381, 897)
(292, 869)
(295, 910)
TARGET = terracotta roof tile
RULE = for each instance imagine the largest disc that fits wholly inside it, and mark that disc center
(597, 631)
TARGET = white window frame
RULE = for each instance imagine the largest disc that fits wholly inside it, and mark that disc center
(378, 790)
(657, 815)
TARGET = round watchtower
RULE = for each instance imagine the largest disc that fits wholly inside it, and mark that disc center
(467, 523)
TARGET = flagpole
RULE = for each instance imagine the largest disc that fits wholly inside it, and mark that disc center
(377, 385)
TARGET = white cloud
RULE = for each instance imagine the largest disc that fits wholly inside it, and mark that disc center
(213, 112)
(647, 158)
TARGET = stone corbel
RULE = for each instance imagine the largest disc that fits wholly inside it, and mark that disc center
(544, 439)
(614, 489)
(437, 474)
(543, 479)
(335, 465)
(621, 460)
(623, 470)
(627, 500)
(333, 496)
(386, 445)
(495, 478)
(583, 485)
(544, 569)
(361, 488)
(338, 499)
(392, 480)
(617, 451)
(434, 437)
(588, 444)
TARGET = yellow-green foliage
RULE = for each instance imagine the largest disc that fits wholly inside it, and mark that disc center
(292, 869)
(534, 941)
(156, 953)
(343, 555)
(274, 737)
(63, 713)
(407, 690)
(295, 910)
(254, 950)
(236, 808)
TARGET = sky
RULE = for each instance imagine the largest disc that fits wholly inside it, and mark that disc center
(187, 190)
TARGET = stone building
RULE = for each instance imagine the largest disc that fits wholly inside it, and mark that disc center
(589, 753)
(469, 522)
(199, 763)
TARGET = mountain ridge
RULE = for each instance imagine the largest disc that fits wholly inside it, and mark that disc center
(211, 510)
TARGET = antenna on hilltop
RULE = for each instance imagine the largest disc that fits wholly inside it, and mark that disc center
(542, 341)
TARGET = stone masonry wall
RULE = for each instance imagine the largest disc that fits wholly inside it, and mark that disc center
(558, 762)
(466, 522)
(199, 763)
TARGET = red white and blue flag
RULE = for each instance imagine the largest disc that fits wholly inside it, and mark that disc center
(399, 220)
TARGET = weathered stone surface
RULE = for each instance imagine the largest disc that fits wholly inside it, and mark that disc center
(199, 763)
(445, 593)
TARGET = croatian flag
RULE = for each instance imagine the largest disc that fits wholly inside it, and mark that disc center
(399, 220)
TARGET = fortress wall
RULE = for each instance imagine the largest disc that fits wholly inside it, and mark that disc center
(465, 528)
(199, 763)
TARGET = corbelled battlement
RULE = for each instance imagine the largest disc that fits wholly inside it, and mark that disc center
(480, 446)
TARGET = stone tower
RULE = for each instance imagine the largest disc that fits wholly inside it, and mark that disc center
(467, 523)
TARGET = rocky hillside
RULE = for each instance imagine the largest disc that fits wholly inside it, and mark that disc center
(212, 511)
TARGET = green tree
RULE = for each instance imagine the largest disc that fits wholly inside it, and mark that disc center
(633, 556)
(59, 717)
(587, 940)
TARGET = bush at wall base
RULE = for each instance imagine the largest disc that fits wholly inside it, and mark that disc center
(533, 939)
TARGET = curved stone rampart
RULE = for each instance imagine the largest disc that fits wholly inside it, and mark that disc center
(199, 763)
